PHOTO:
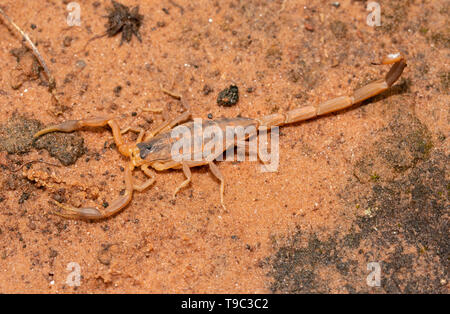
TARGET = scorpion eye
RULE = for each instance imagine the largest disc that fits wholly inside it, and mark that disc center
(144, 149)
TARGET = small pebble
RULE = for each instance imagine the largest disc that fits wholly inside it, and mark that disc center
(53, 253)
(67, 41)
(104, 257)
(207, 90)
(31, 225)
(309, 27)
(81, 64)
(117, 90)
(336, 4)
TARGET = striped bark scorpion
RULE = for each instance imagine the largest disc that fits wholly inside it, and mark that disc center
(154, 149)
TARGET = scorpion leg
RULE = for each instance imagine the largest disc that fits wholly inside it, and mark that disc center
(245, 145)
(167, 125)
(139, 131)
(216, 172)
(187, 174)
(146, 184)
(71, 212)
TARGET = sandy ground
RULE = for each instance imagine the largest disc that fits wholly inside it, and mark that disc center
(368, 184)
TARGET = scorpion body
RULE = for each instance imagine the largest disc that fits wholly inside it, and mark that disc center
(155, 149)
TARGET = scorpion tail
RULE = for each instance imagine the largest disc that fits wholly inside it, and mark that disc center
(342, 102)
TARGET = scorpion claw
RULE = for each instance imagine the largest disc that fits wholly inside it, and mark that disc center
(68, 211)
(66, 126)
(73, 125)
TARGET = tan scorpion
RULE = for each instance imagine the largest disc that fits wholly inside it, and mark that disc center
(154, 149)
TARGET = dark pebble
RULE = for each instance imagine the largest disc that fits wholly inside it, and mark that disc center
(207, 90)
(117, 90)
(229, 96)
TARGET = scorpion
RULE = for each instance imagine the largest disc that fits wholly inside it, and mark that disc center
(154, 149)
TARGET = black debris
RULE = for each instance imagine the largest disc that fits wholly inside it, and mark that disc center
(117, 90)
(207, 90)
(122, 19)
(228, 97)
